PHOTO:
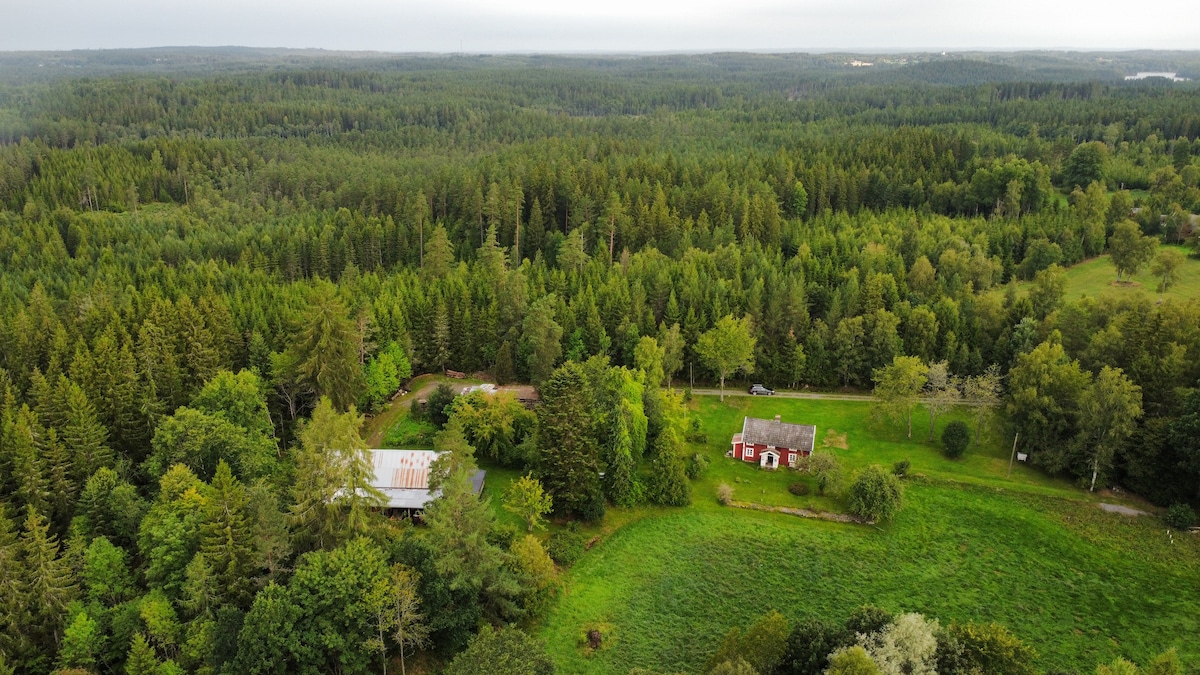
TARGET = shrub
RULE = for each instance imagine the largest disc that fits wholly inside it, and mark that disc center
(566, 546)
(438, 402)
(695, 432)
(506, 651)
(1180, 516)
(901, 468)
(798, 489)
(724, 494)
(415, 410)
(875, 494)
(955, 439)
(593, 510)
(503, 535)
(696, 465)
(983, 648)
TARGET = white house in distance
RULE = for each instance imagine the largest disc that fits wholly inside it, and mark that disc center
(770, 442)
(403, 478)
(1174, 77)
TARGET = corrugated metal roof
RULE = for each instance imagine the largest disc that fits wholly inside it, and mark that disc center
(403, 477)
(778, 434)
(403, 469)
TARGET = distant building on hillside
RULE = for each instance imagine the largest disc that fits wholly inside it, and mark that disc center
(771, 442)
(1174, 77)
(403, 478)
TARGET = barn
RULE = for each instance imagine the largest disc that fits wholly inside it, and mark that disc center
(773, 442)
(403, 478)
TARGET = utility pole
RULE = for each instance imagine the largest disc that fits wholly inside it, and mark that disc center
(1013, 455)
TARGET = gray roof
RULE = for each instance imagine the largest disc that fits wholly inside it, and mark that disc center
(778, 434)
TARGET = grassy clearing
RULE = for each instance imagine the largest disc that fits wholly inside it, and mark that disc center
(1095, 278)
(1080, 586)
(410, 434)
(1028, 551)
(985, 463)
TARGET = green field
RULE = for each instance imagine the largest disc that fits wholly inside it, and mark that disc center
(1035, 554)
(1096, 277)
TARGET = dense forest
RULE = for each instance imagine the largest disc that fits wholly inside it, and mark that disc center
(206, 275)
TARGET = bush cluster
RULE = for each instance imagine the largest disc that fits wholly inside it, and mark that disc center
(1180, 516)
(566, 546)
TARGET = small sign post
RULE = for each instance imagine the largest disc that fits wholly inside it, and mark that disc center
(1013, 455)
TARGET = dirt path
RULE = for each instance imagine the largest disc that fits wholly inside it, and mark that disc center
(803, 513)
(801, 394)
(1123, 510)
(376, 427)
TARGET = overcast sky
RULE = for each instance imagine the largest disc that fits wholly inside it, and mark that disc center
(601, 25)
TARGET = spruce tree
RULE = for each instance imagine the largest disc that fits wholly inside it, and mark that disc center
(83, 436)
(63, 488)
(11, 606)
(326, 355)
(226, 540)
(568, 457)
(48, 584)
(668, 482)
(141, 660)
(504, 371)
(24, 458)
(47, 400)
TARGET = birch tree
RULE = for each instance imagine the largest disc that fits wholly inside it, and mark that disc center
(942, 392)
(1108, 412)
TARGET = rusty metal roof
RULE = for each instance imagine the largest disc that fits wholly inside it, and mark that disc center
(403, 477)
(403, 469)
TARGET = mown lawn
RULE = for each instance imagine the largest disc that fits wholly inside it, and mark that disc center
(1031, 552)
(868, 442)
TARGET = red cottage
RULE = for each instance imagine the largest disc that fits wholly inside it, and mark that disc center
(770, 442)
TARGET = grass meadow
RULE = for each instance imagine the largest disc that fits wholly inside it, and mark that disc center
(1095, 278)
(1033, 553)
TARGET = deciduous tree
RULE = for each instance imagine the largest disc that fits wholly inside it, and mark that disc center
(898, 388)
(875, 494)
(1108, 412)
(527, 499)
(1130, 250)
(1166, 268)
(503, 651)
(728, 348)
(983, 393)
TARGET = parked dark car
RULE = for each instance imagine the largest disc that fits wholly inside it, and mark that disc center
(760, 390)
